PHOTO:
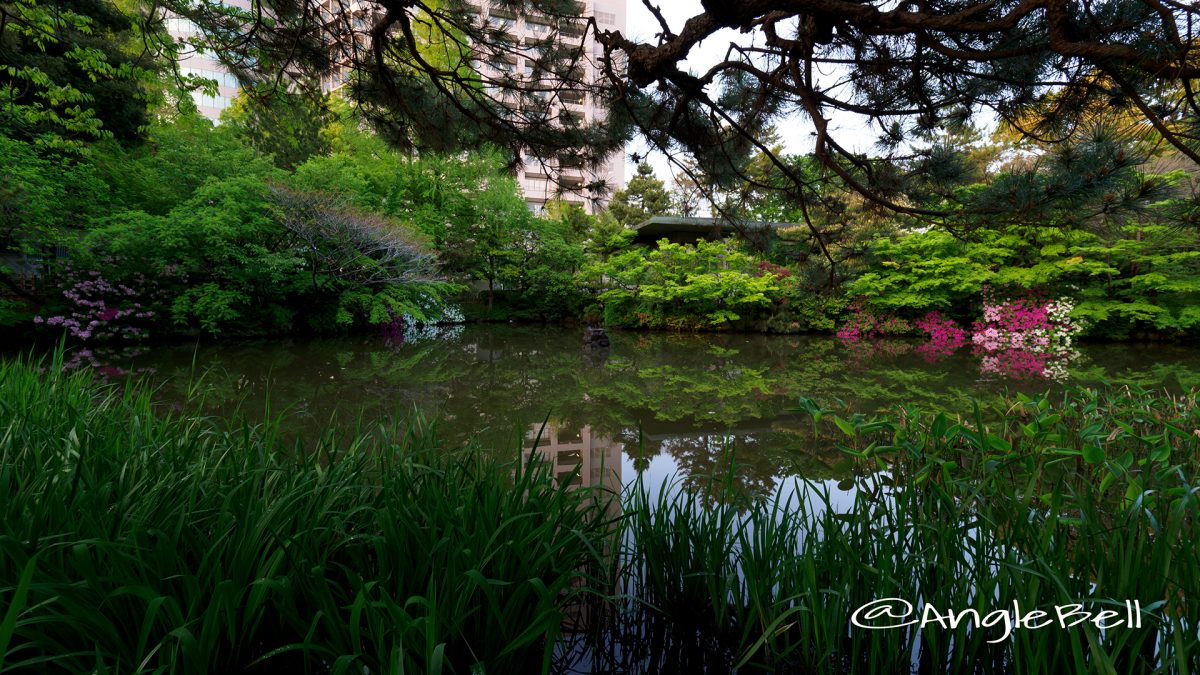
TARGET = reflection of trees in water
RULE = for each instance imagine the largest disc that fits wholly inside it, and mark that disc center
(490, 382)
(717, 465)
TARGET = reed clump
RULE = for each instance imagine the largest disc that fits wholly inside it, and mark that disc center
(133, 540)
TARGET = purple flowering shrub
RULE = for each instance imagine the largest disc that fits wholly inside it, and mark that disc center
(97, 308)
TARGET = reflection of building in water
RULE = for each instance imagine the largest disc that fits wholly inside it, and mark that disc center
(598, 458)
(578, 458)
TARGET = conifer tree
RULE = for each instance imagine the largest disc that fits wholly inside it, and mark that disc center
(644, 197)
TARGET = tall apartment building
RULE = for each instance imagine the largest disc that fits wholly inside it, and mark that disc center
(203, 64)
(540, 181)
(543, 181)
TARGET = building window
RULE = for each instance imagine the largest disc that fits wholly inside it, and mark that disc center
(205, 101)
(223, 79)
(606, 18)
(180, 26)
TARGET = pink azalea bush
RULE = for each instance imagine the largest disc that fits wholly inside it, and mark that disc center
(864, 324)
(945, 336)
(860, 332)
(1026, 337)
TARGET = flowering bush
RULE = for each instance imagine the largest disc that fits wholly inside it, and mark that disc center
(1026, 337)
(778, 271)
(945, 336)
(100, 309)
(863, 324)
(861, 329)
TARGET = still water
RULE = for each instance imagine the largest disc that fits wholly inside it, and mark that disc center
(650, 405)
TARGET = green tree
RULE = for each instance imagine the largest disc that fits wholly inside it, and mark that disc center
(681, 286)
(1135, 55)
(72, 72)
(285, 125)
(177, 158)
(643, 197)
(1127, 277)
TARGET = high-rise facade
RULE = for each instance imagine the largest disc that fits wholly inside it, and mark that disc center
(541, 181)
(544, 180)
(202, 63)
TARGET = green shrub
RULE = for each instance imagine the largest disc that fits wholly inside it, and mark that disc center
(681, 286)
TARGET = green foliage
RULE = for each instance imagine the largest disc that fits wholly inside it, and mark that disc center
(643, 197)
(280, 124)
(928, 270)
(1127, 278)
(607, 236)
(70, 74)
(177, 159)
(193, 211)
(41, 195)
(471, 211)
(681, 286)
(138, 542)
(1142, 277)
(219, 255)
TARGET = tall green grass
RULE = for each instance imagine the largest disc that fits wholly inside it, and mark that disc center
(133, 540)
(137, 540)
(1093, 497)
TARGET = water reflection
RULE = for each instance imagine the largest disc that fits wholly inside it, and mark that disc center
(578, 456)
(697, 405)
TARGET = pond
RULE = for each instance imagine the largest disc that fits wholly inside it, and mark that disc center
(651, 404)
(719, 411)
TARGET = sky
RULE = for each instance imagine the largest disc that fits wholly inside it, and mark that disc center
(796, 130)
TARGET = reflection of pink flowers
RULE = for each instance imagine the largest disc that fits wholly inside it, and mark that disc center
(945, 336)
(1026, 337)
(988, 339)
(1015, 363)
(102, 362)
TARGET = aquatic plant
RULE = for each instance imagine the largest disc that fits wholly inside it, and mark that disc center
(133, 540)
